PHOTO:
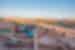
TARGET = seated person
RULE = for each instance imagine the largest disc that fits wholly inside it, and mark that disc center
(27, 29)
(43, 38)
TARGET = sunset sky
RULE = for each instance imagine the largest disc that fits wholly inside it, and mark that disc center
(37, 8)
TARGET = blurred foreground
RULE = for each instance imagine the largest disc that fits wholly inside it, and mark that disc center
(57, 35)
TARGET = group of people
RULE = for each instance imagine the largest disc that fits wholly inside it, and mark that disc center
(48, 38)
(53, 39)
(23, 36)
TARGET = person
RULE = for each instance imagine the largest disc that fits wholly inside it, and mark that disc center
(2, 44)
(28, 30)
(42, 32)
(11, 41)
(43, 38)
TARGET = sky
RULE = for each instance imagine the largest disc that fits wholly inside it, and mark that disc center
(37, 8)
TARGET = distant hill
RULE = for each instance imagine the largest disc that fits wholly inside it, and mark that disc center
(17, 20)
